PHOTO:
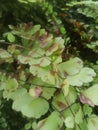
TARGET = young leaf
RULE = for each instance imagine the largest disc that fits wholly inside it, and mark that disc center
(11, 37)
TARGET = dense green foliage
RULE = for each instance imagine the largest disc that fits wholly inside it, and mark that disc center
(48, 65)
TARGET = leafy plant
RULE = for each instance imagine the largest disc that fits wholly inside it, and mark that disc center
(43, 85)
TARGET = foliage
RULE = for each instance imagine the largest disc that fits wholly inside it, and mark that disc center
(45, 80)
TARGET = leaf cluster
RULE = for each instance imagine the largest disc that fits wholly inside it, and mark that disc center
(44, 84)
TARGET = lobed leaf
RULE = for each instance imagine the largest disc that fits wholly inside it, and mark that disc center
(70, 67)
(30, 107)
(84, 76)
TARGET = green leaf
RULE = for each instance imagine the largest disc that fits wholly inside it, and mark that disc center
(91, 94)
(35, 28)
(35, 108)
(74, 111)
(87, 110)
(11, 84)
(28, 126)
(74, 72)
(65, 87)
(14, 94)
(53, 122)
(21, 102)
(79, 116)
(4, 54)
(30, 107)
(83, 125)
(38, 82)
(18, 93)
(69, 122)
(84, 76)
(32, 1)
(34, 125)
(11, 37)
(72, 95)
(93, 123)
(48, 92)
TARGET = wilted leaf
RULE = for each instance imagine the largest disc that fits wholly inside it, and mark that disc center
(52, 49)
(36, 53)
(46, 40)
(24, 59)
(43, 61)
(59, 102)
(86, 100)
(43, 73)
(91, 94)
(36, 91)
(27, 59)
(70, 67)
